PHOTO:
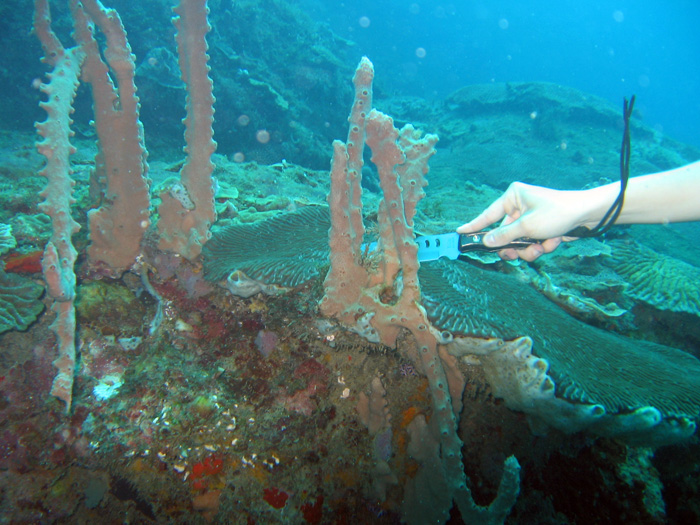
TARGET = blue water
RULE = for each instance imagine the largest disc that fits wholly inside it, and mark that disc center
(611, 49)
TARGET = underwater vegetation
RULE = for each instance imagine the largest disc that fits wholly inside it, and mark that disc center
(211, 338)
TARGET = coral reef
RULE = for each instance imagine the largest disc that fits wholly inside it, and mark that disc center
(192, 405)
(19, 301)
(659, 280)
(7, 240)
(585, 364)
(289, 249)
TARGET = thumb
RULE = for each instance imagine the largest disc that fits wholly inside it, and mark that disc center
(503, 234)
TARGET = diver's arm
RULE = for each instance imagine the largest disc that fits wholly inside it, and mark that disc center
(543, 213)
(660, 198)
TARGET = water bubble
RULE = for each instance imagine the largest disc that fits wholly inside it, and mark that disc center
(262, 136)
(364, 21)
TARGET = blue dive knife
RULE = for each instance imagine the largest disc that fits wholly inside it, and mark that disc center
(452, 245)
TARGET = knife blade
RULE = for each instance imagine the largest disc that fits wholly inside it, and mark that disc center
(452, 245)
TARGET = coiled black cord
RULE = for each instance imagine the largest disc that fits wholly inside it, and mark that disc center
(614, 212)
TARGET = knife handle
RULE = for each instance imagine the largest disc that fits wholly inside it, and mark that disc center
(474, 242)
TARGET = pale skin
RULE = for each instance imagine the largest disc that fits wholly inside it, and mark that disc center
(544, 213)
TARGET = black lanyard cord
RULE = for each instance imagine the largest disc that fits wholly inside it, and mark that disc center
(614, 212)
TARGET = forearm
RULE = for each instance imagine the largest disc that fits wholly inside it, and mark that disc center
(669, 196)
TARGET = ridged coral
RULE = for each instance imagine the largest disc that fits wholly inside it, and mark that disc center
(588, 365)
(661, 281)
(7, 240)
(19, 301)
(285, 250)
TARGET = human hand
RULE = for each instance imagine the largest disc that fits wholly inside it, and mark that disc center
(530, 211)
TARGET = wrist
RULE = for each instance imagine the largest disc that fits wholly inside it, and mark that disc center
(594, 203)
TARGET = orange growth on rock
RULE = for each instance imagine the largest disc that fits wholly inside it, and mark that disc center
(313, 512)
(275, 497)
(24, 262)
(412, 468)
(408, 415)
(210, 466)
(207, 503)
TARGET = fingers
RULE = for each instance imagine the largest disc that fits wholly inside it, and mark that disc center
(509, 255)
(494, 213)
(521, 210)
(532, 252)
(527, 254)
(504, 234)
(551, 244)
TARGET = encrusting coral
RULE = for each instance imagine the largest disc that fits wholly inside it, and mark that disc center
(610, 374)
(19, 301)
(7, 240)
(280, 258)
(656, 279)
(561, 357)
